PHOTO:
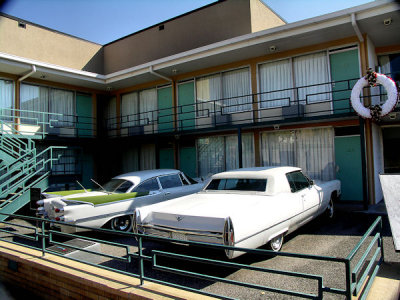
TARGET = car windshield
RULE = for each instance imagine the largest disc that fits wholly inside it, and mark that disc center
(238, 184)
(117, 186)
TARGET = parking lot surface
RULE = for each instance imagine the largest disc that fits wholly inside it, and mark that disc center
(333, 238)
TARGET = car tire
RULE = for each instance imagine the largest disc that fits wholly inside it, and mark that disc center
(330, 210)
(276, 243)
(122, 223)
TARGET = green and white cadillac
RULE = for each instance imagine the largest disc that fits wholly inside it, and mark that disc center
(113, 204)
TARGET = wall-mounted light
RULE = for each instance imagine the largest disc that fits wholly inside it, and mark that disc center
(109, 88)
(174, 71)
(387, 21)
(43, 76)
(272, 48)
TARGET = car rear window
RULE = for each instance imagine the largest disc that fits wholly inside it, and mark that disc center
(238, 184)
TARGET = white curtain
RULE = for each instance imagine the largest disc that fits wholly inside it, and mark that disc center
(236, 91)
(211, 155)
(315, 152)
(6, 97)
(208, 89)
(231, 153)
(310, 149)
(129, 109)
(62, 102)
(148, 106)
(147, 157)
(33, 99)
(312, 70)
(275, 84)
(248, 158)
(111, 113)
(278, 148)
(384, 63)
(221, 153)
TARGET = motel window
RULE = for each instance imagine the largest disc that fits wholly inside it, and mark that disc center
(38, 101)
(222, 93)
(301, 79)
(139, 108)
(310, 149)
(6, 98)
(220, 153)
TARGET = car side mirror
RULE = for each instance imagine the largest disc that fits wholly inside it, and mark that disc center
(311, 181)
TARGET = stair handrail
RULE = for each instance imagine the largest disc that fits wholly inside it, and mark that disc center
(11, 137)
(11, 166)
(19, 180)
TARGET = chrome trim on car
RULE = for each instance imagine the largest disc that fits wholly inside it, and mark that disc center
(181, 231)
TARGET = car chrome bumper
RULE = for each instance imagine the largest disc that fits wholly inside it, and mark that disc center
(182, 235)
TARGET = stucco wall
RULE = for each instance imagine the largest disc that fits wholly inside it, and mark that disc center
(42, 44)
(262, 17)
(215, 23)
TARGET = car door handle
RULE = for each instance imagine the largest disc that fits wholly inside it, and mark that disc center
(167, 193)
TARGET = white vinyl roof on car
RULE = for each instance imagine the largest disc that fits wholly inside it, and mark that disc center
(256, 173)
(140, 176)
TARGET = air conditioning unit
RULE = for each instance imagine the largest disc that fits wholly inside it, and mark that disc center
(136, 130)
(293, 111)
(219, 120)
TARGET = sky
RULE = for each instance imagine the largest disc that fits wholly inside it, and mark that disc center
(104, 21)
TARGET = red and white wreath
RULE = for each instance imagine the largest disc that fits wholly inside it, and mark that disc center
(374, 111)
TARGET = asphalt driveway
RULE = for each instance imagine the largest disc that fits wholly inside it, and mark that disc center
(334, 238)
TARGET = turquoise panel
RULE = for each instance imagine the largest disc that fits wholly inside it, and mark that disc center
(186, 109)
(165, 114)
(349, 168)
(187, 161)
(167, 159)
(87, 170)
(344, 66)
(84, 115)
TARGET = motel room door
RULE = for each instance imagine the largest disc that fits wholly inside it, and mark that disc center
(348, 167)
(84, 115)
(186, 108)
(344, 66)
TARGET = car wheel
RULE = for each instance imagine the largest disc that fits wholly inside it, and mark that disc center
(330, 210)
(122, 223)
(276, 243)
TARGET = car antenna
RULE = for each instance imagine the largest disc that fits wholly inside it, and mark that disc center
(82, 186)
(99, 185)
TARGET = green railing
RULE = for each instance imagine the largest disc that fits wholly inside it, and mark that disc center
(356, 272)
(30, 124)
(21, 167)
(28, 172)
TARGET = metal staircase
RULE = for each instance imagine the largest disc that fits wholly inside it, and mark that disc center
(21, 166)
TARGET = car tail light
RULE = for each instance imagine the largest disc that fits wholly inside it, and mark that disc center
(58, 210)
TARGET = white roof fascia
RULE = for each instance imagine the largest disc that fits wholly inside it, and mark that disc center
(52, 69)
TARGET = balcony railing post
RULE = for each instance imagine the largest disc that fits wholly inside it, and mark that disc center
(348, 279)
(43, 238)
(141, 266)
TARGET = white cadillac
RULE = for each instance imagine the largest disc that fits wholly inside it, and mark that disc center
(244, 208)
(114, 203)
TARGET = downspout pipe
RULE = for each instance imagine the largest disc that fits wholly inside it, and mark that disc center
(356, 28)
(33, 71)
(151, 70)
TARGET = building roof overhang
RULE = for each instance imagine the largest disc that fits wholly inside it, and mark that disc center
(369, 19)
